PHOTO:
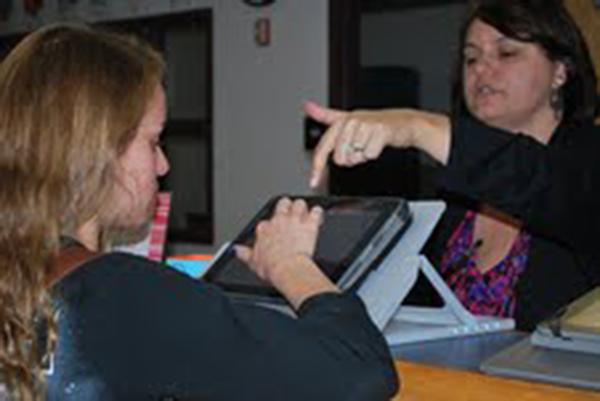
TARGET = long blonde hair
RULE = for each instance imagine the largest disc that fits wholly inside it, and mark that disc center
(71, 98)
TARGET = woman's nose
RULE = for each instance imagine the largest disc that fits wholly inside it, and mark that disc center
(484, 65)
(162, 164)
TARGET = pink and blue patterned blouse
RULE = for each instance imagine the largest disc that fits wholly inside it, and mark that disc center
(491, 293)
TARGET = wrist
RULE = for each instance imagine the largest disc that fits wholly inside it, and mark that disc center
(299, 278)
(431, 134)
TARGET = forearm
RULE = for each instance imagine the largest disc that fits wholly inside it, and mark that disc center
(301, 279)
(431, 133)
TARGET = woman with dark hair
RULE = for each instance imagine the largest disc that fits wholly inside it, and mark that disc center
(547, 24)
(81, 116)
(519, 151)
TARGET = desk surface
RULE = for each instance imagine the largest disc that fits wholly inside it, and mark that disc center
(465, 353)
(449, 370)
(430, 383)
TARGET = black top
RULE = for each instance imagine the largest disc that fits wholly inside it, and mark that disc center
(553, 189)
(131, 329)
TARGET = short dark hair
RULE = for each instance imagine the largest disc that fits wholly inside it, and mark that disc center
(548, 24)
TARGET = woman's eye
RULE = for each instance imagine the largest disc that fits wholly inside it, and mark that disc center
(507, 53)
(470, 60)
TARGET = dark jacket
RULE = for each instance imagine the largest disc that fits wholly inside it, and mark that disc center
(553, 189)
(131, 329)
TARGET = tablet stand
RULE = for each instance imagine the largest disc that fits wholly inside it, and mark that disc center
(416, 323)
(386, 287)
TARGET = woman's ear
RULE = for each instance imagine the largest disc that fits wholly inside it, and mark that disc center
(560, 75)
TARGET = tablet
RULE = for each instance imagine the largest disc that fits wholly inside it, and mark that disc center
(355, 233)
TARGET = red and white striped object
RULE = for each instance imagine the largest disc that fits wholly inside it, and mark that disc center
(158, 231)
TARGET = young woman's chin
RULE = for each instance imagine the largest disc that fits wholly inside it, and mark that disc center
(129, 232)
(132, 226)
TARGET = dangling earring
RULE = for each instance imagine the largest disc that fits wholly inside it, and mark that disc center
(557, 102)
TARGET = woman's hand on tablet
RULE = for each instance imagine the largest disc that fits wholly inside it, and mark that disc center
(283, 250)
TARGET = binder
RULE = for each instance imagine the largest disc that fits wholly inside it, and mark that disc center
(563, 350)
(523, 360)
(575, 328)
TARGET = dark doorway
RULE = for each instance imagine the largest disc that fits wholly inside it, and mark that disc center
(352, 86)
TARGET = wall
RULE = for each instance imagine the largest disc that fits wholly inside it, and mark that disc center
(425, 38)
(258, 104)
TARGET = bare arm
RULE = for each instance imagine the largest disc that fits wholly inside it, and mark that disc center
(359, 136)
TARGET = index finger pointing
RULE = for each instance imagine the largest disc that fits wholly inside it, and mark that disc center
(322, 114)
(322, 152)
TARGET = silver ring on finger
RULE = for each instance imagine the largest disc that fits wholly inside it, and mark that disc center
(353, 148)
(357, 147)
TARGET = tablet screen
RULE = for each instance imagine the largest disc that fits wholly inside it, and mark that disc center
(348, 226)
